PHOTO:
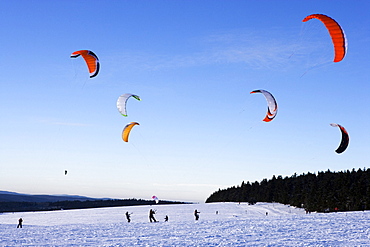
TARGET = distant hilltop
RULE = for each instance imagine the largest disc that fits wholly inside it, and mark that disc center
(16, 202)
(7, 196)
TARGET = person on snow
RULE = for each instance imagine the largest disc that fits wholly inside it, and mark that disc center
(151, 215)
(128, 217)
(196, 214)
(20, 223)
(166, 218)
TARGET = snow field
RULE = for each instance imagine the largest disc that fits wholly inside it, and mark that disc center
(234, 225)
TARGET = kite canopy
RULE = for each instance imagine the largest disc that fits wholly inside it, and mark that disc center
(345, 138)
(155, 199)
(336, 33)
(91, 60)
(126, 131)
(271, 105)
(122, 101)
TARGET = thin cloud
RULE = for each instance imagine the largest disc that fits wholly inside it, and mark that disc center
(49, 122)
(272, 50)
(188, 185)
(71, 124)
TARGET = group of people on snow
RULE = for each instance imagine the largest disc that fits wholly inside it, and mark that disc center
(128, 217)
(152, 218)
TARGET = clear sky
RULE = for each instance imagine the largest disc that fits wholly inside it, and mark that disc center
(193, 63)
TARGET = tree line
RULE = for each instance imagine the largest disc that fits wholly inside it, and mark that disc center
(322, 192)
(76, 204)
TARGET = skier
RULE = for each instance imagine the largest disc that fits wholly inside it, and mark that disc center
(128, 217)
(166, 218)
(196, 214)
(151, 215)
(20, 223)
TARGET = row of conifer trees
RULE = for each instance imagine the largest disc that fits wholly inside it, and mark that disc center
(321, 192)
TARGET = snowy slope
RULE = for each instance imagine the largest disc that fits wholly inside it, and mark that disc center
(234, 225)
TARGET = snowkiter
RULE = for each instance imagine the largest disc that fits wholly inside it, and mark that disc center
(20, 221)
(151, 215)
(128, 217)
(196, 214)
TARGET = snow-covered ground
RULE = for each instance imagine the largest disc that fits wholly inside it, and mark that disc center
(234, 225)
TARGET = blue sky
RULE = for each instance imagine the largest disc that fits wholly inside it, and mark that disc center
(193, 63)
